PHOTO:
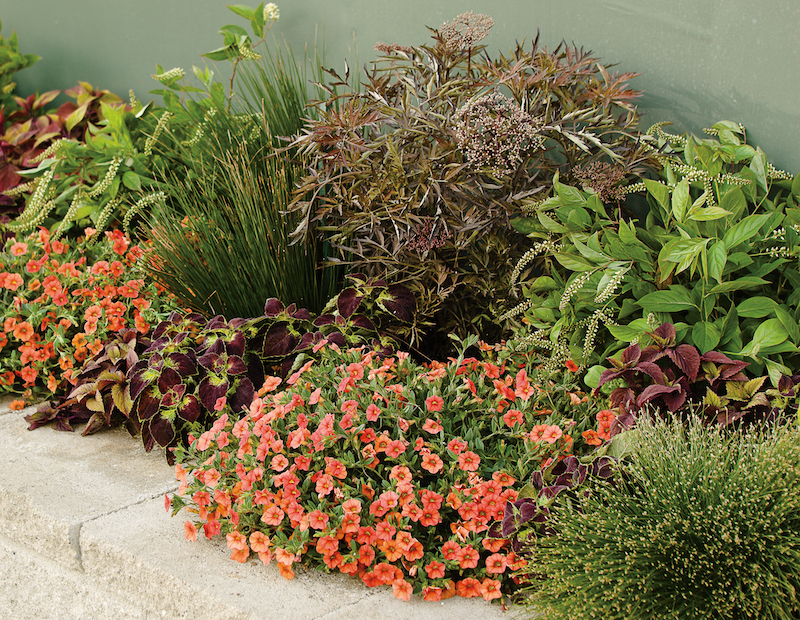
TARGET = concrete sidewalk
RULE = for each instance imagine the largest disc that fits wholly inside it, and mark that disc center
(84, 535)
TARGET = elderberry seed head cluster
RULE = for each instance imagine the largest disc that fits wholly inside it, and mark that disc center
(493, 132)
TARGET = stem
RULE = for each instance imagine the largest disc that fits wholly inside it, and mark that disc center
(230, 86)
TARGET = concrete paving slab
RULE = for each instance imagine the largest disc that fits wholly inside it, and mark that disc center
(33, 587)
(55, 482)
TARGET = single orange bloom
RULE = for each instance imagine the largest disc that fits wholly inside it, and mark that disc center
(592, 438)
(190, 531)
(19, 248)
(9, 324)
(28, 374)
(490, 589)
(16, 405)
(402, 589)
(468, 588)
(571, 366)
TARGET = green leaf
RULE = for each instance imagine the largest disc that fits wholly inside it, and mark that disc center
(572, 262)
(676, 299)
(744, 230)
(717, 257)
(796, 185)
(627, 333)
(789, 323)
(588, 252)
(241, 10)
(549, 223)
(525, 225)
(705, 336)
(708, 214)
(680, 200)
(222, 53)
(217, 92)
(759, 167)
(237, 31)
(770, 333)
(756, 307)
(743, 283)
(660, 192)
(75, 118)
(776, 371)
(735, 202)
(257, 21)
(592, 376)
(570, 196)
(131, 180)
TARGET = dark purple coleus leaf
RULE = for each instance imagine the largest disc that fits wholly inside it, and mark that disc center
(306, 342)
(664, 335)
(337, 338)
(183, 364)
(401, 303)
(217, 322)
(324, 319)
(630, 356)
(243, 395)
(189, 408)
(279, 341)
(162, 431)
(603, 467)
(301, 314)
(362, 321)
(676, 400)
(235, 343)
(147, 439)
(520, 512)
(169, 377)
(569, 472)
(211, 389)
(347, 302)
(273, 307)
(651, 392)
(716, 357)
(147, 404)
(173, 395)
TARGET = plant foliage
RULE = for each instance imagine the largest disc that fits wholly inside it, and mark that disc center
(715, 256)
(702, 523)
(416, 176)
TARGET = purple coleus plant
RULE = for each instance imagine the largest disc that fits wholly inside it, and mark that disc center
(670, 377)
(192, 369)
(528, 516)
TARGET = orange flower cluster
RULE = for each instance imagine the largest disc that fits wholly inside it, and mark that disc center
(361, 462)
(60, 301)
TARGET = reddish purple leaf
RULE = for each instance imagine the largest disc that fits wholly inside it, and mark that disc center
(687, 358)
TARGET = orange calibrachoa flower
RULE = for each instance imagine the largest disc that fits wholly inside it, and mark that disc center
(361, 473)
(23, 331)
(74, 282)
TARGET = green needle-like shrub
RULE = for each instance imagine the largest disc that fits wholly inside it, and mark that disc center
(701, 524)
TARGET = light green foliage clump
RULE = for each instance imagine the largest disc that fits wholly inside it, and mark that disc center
(701, 524)
(715, 253)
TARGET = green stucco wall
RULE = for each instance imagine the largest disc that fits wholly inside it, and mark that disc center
(701, 60)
